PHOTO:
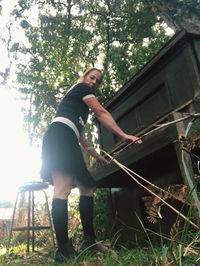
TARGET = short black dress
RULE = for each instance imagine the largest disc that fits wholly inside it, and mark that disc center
(61, 150)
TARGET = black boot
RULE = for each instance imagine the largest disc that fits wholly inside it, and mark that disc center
(64, 252)
(60, 220)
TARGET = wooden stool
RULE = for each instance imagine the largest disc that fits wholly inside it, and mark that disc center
(30, 188)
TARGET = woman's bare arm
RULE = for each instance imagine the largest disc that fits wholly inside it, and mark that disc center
(91, 150)
(108, 121)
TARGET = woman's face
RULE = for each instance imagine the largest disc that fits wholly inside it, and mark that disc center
(93, 79)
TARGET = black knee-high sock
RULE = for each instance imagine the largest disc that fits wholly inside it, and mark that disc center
(86, 214)
(60, 219)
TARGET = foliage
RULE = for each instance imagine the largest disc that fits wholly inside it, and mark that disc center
(102, 214)
(67, 37)
(153, 205)
(181, 249)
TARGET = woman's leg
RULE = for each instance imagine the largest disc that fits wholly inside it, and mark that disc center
(86, 205)
(86, 210)
(62, 187)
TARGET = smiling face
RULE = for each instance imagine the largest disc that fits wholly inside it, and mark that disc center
(93, 78)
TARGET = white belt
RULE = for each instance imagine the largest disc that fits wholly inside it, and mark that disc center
(68, 123)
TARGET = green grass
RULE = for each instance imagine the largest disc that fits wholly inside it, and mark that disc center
(105, 256)
(136, 257)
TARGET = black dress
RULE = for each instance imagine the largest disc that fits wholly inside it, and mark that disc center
(60, 147)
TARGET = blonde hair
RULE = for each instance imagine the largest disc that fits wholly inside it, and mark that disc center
(87, 72)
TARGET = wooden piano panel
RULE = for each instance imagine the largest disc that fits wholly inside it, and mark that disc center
(182, 78)
(169, 84)
(138, 111)
(152, 107)
(197, 50)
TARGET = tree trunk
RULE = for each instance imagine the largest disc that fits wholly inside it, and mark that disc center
(178, 15)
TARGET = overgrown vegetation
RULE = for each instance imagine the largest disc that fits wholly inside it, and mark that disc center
(109, 257)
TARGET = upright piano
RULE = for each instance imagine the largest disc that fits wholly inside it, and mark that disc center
(165, 89)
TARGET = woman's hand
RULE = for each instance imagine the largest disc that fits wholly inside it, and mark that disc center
(132, 138)
(91, 150)
(101, 161)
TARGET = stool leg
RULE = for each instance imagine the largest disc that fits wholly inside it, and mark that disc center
(50, 221)
(33, 222)
(29, 221)
(12, 221)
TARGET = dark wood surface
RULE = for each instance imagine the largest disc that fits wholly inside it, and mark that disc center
(169, 83)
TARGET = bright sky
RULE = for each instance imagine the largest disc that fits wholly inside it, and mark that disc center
(19, 162)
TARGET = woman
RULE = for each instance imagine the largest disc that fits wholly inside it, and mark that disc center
(62, 160)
